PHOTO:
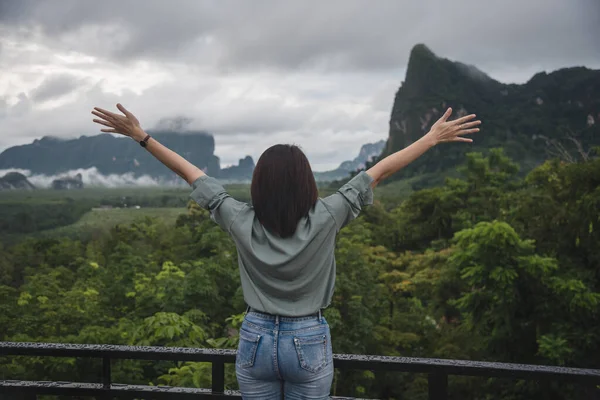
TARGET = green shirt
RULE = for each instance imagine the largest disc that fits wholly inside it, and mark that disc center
(294, 276)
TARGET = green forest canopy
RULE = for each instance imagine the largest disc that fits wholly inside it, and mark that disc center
(489, 266)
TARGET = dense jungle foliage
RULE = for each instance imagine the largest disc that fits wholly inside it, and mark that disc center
(489, 266)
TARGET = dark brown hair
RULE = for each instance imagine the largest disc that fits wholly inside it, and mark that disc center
(283, 189)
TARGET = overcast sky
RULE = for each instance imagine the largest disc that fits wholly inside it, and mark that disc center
(321, 74)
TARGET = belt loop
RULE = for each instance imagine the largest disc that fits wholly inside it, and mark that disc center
(247, 310)
(320, 316)
(277, 320)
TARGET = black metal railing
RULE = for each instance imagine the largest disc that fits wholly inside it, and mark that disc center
(437, 370)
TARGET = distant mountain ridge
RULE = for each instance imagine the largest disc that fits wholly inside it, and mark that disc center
(368, 152)
(553, 113)
(115, 155)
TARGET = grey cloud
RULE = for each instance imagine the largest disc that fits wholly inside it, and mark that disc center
(54, 86)
(23, 105)
(244, 123)
(23, 123)
(333, 35)
(121, 29)
(3, 106)
(319, 73)
(353, 34)
(178, 123)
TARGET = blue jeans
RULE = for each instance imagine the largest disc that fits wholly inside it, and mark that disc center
(284, 356)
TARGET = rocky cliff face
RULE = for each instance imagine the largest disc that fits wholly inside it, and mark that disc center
(367, 153)
(531, 121)
(241, 172)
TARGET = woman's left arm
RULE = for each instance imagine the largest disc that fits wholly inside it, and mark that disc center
(129, 125)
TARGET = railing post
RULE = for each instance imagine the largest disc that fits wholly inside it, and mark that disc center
(438, 386)
(218, 377)
(106, 372)
(106, 380)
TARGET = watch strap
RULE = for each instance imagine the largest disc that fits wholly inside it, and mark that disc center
(144, 142)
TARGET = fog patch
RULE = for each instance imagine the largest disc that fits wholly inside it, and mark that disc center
(92, 178)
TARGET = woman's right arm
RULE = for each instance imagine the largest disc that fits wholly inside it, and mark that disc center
(441, 131)
(128, 125)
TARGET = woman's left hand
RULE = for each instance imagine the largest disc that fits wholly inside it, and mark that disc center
(452, 131)
(126, 124)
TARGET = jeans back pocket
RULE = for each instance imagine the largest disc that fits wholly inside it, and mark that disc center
(312, 352)
(247, 349)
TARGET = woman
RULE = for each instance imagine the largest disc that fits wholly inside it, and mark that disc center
(285, 242)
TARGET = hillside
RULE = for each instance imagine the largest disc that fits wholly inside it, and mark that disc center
(550, 115)
(15, 180)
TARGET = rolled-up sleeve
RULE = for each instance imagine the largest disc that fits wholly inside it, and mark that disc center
(347, 203)
(211, 195)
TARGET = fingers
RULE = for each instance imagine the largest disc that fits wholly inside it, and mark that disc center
(99, 121)
(446, 115)
(463, 119)
(112, 120)
(123, 110)
(462, 139)
(467, 131)
(97, 114)
(104, 116)
(107, 113)
(469, 124)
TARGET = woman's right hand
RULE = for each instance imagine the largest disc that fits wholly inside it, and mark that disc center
(126, 124)
(452, 131)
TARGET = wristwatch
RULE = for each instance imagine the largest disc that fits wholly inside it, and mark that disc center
(144, 142)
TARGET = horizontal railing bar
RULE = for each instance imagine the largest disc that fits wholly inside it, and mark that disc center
(121, 391)
(343, 361)
(465, 367)
(116, 351)
(118, 390)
